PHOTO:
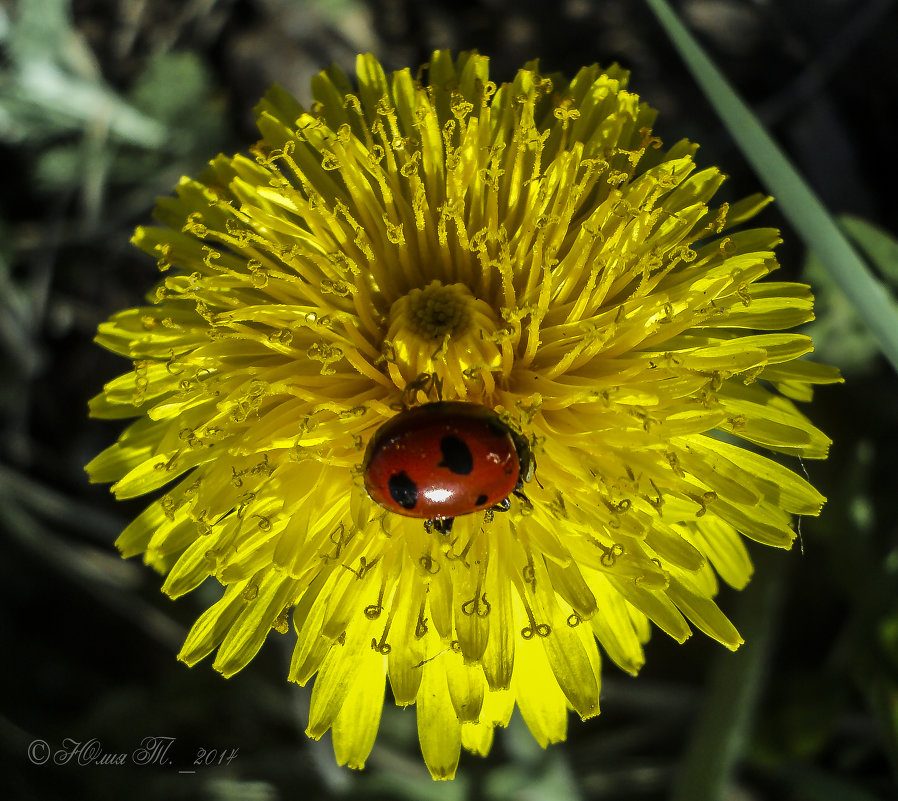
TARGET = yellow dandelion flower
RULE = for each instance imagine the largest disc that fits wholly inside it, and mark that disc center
(530, 248)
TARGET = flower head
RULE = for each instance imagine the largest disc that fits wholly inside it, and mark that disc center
(531, 248)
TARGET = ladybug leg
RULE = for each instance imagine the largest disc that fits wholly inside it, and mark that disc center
(526, 459)
(525, 501)
(503, 506)
(442, 525)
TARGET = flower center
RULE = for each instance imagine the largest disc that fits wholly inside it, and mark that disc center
(437, 310)
(444, 330)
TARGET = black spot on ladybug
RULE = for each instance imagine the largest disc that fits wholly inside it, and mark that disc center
(481, 499)
(456, 456)
(403, 490)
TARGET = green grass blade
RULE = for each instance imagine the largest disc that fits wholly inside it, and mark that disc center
(798, 202)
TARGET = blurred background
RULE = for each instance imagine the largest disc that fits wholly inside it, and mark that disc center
(105, 103)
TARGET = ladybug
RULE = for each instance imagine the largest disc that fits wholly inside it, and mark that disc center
(445, 459)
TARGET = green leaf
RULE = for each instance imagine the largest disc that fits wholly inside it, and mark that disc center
(59, 167)
(821, 785)
(839, 333)
(717, 741)
(40, 30)
(798, 202)
(172, 87)
(880, 247)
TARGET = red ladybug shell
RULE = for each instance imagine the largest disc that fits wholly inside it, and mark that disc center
(441, 460)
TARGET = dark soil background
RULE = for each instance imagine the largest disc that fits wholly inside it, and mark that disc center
(105, 103)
